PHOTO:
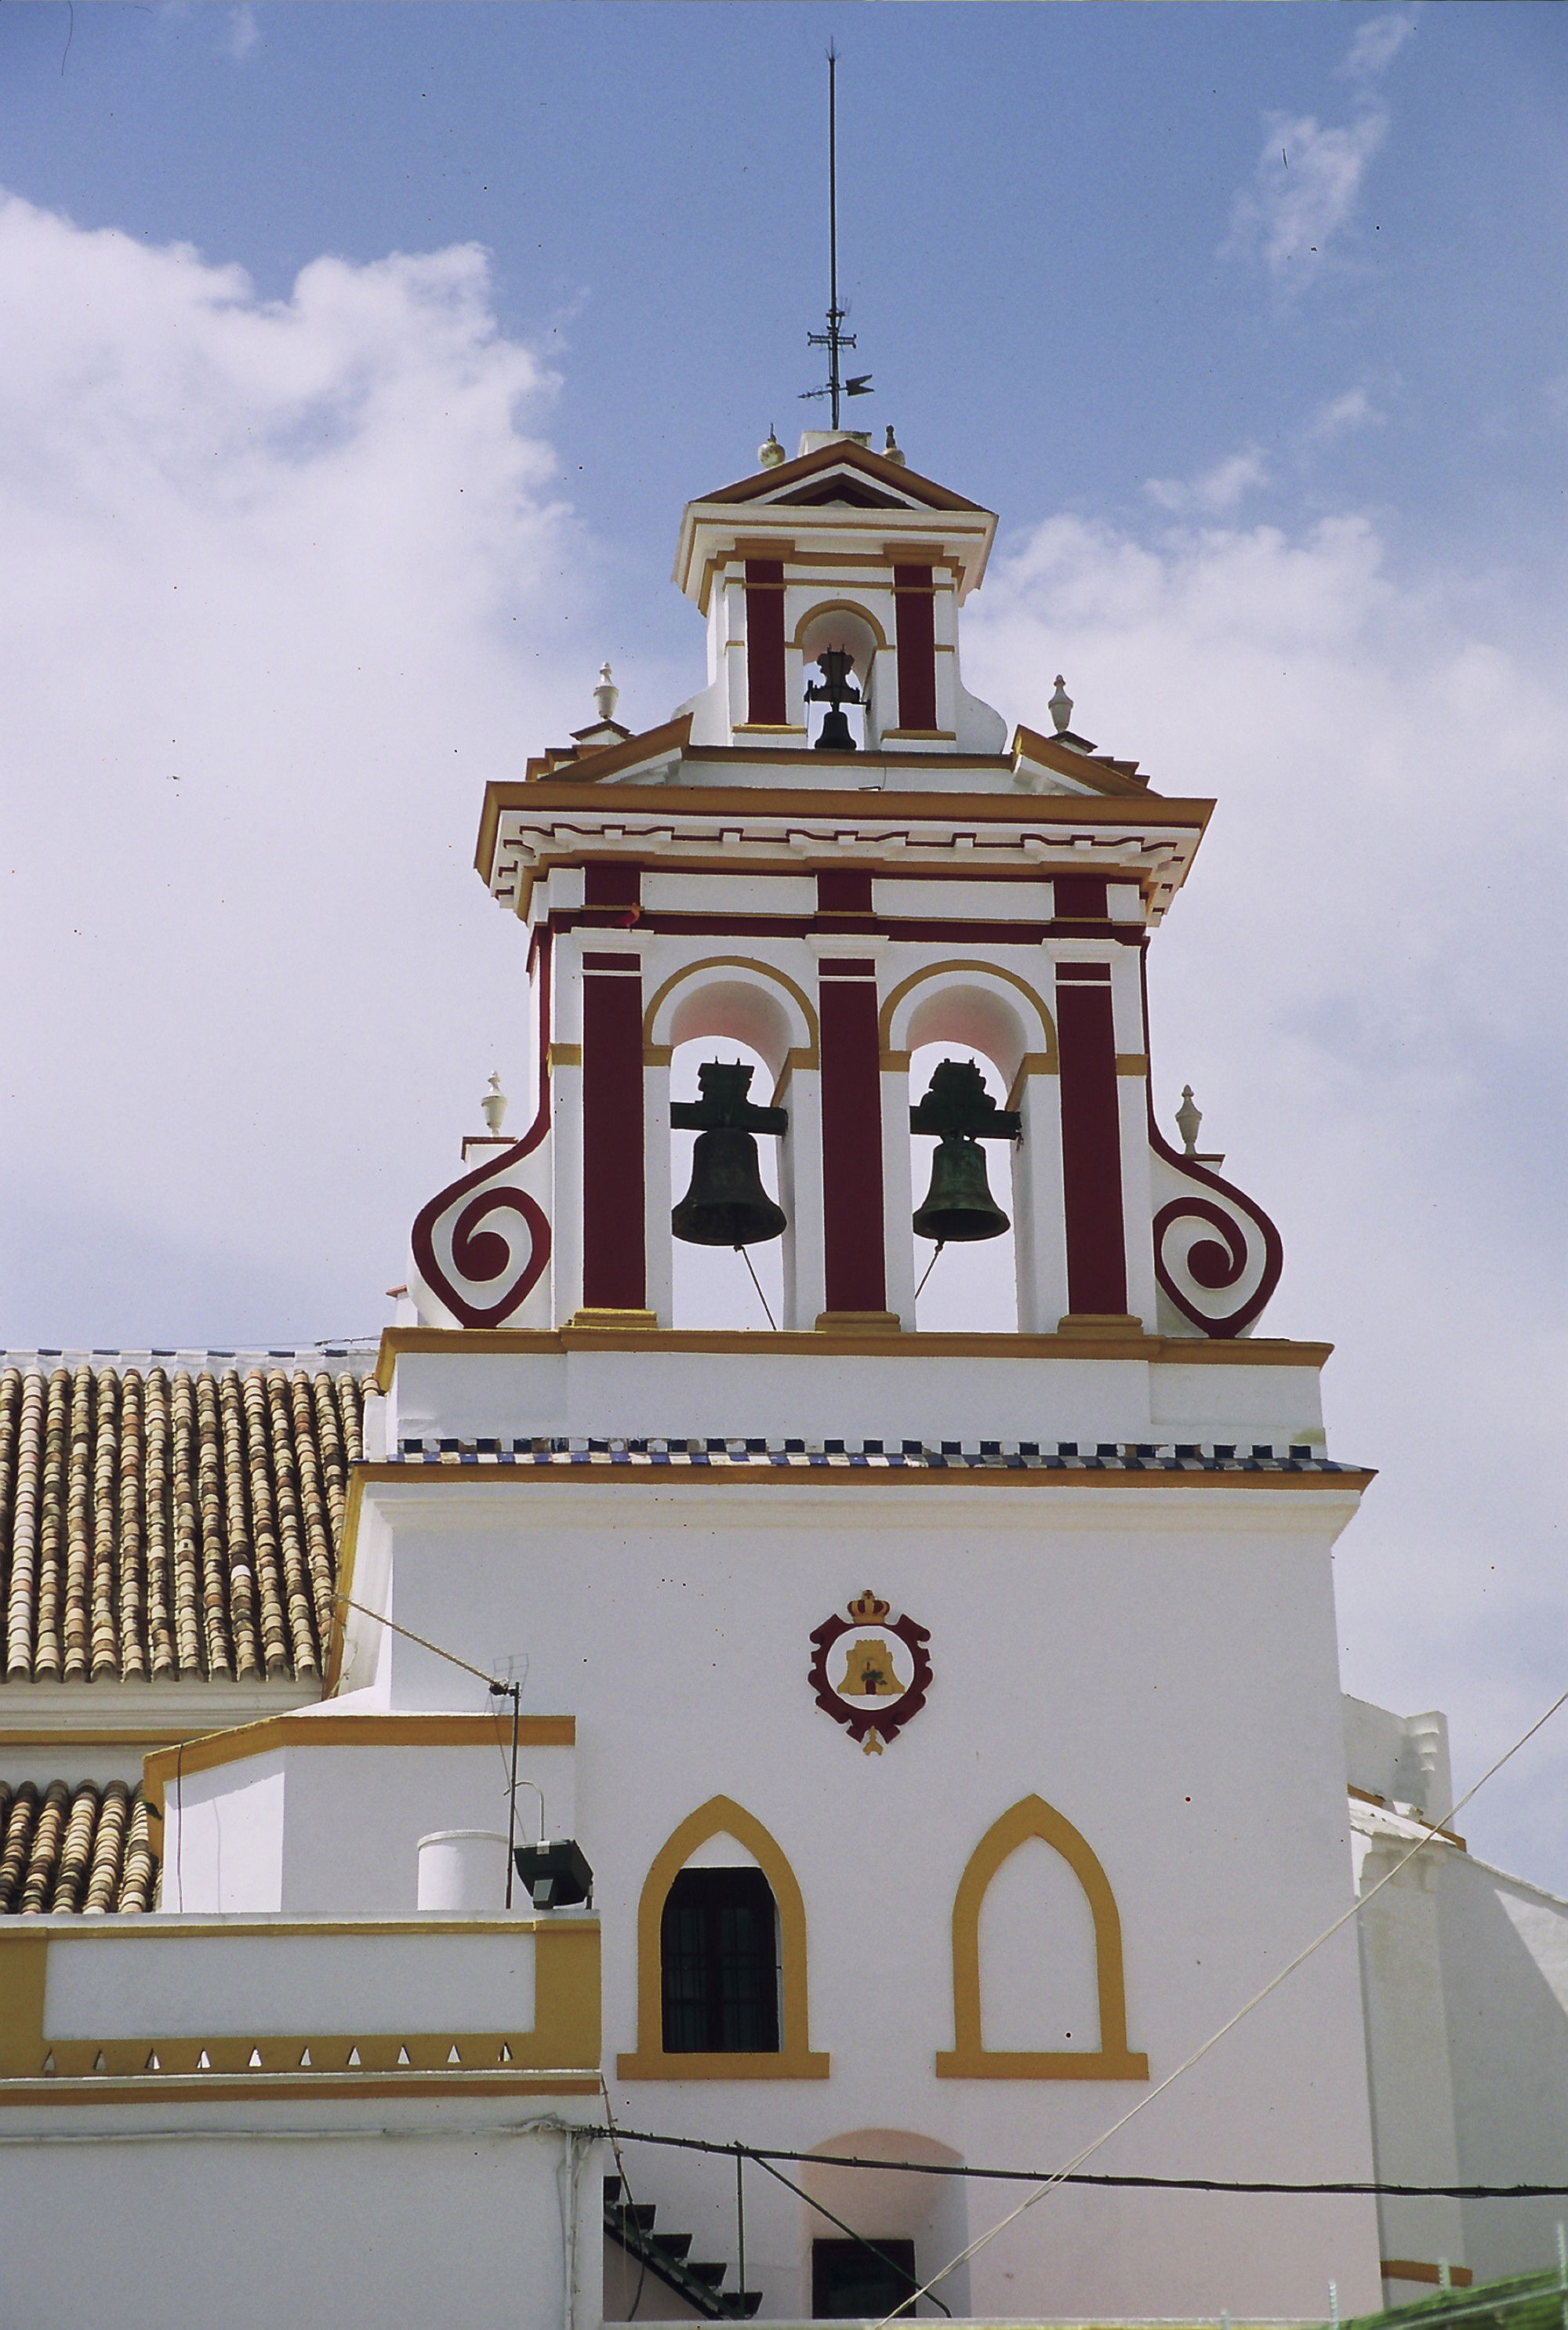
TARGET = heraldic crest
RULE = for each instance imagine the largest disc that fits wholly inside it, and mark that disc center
(869, 1670)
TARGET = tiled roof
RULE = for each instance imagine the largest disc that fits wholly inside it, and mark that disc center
(83, 1848)
(171, 1520)
(947, 1455)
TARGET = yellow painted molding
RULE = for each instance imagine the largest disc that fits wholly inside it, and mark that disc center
(612, 1322)
(1132, 1063)
(1033, 1064)
(1154, 1350)
(936, 970)
(563, 1056)
(969, 2058)
(806, 1056)
(838, 1471)
(839, 607)
(155, 2088)
(271, 1732)
(722, 1816)
(566, 2035)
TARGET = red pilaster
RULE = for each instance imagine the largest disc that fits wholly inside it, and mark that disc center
(914, 596)
(765, 695)
(1091, 1141)
(852, 1201)
(614, 1260)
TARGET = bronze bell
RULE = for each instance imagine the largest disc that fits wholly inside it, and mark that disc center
(726, 1204)
(960, 1208)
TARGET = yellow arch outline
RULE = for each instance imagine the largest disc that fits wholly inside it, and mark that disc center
(969, 2058)
(722, 1816)
(841, 607)
(1038, 1064)
(807, 1055)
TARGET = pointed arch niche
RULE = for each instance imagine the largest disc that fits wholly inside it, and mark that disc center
(720, 1817)
(969, 2058)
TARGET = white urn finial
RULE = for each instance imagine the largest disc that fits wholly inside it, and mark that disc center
(1188, 1118)
(493, 1104)
(606, 696)
(1061, 705)
(770, 455)
(891, 451)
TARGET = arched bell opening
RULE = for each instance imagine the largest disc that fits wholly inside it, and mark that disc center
(843, 632)
(910, 2220)
(970, 1274)
(713, 1284)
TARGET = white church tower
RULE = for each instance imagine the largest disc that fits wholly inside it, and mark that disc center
(986, 1680)
(943, 1728)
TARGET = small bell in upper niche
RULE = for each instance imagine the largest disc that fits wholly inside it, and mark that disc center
(958, 1208)
(726, 1204)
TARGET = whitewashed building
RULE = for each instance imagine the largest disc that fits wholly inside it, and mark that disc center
(949, 1721)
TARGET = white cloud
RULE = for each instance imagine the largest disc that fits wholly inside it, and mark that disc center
(1304, 190)
(284, 583)
(1376, 43)
(1362, 982)
(1354, 410)
(1218, 491)
(243, 33)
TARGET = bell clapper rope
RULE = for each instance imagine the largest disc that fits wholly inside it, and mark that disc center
(756, 1283)
(930, 1265)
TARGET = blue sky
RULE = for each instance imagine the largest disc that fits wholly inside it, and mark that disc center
(1040, 233)
(359, 360)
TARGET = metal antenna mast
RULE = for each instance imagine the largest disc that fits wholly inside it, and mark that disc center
(834, 338)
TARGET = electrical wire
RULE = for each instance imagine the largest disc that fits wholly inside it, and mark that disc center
(1433, 1829)
(1351, 2187)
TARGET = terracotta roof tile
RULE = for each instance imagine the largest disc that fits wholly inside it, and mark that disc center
(84, 1848)
(171, 1522)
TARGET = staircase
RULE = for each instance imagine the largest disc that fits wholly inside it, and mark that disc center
(631, 2223)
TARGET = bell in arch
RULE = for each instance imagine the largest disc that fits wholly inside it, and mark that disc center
(958, 1207)
(726, 1204)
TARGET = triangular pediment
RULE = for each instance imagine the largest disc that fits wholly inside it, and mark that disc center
(843, 472)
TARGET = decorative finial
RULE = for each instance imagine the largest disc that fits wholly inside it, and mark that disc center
(493, 1104)
(890, 450)
(606, 696)
(1061, 705)
(1188, 1118)
(770, 455)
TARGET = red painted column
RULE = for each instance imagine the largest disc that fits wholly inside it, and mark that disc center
(852, 1199)
(614, 1260)
(914, 597)
(765, 692)
(1091, 1141)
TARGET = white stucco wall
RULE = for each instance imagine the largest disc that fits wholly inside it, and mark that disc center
(1158, 1664)
(246, 2219)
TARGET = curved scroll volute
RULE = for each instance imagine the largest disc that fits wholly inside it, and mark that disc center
(1217, 1257)
(481, 1247)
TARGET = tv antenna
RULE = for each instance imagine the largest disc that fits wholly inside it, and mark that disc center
(834, 339)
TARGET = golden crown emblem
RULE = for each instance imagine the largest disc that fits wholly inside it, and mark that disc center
(868, 1609)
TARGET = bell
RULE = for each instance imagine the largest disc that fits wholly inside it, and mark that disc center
(726, 1204)
(960, 1208)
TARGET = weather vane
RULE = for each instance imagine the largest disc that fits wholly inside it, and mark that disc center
(834, 339)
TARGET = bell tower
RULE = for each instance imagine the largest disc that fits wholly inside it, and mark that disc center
(984, 1684)
(835, 854)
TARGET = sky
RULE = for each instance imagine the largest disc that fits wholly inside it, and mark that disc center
(359, 359)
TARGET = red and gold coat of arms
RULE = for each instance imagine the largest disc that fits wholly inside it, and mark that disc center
(874, 1682)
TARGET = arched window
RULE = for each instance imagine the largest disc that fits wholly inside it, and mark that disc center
(717, 1966)
(718, 1963)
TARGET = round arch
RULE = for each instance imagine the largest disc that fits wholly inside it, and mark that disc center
(969, 2058)
(829, 611)
(722, 1816)
(729, 996)
(976, 1003)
